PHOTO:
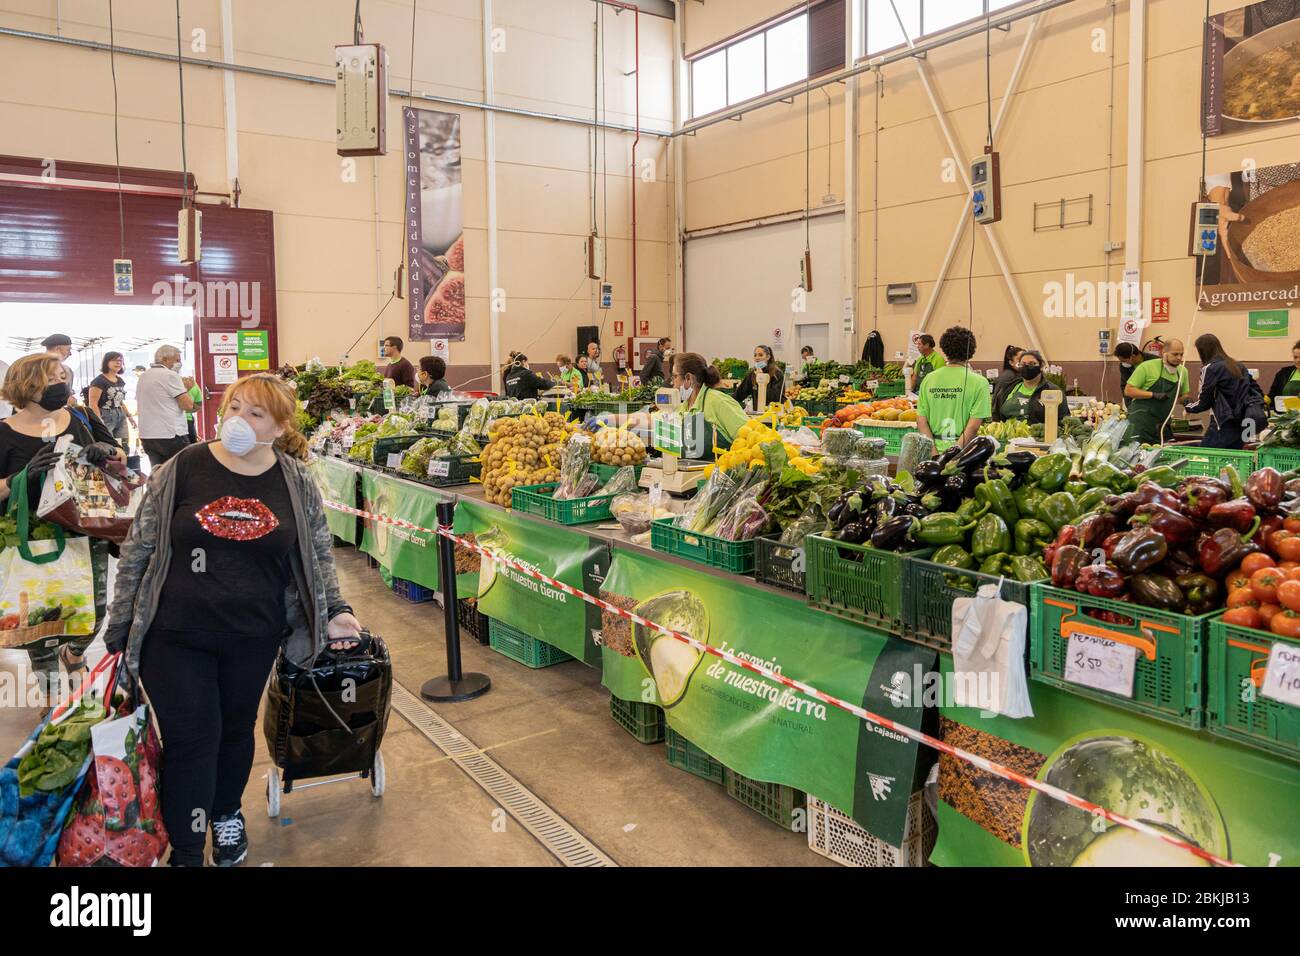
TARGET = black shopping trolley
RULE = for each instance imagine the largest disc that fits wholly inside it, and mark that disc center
(329, 720)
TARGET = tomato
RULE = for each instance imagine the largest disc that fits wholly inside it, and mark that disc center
(1236, 581)
(1286, 624)
(1266, 612)
(1274, 540)
(1244, 597)
(1291, 524)
(1294, 574)
(1287, 566)
(1288, 595)
(1288, 549)
(1264, 584)
(1253, 562)
(1242, 617)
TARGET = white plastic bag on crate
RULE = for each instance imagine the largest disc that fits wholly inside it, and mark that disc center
(988, 652)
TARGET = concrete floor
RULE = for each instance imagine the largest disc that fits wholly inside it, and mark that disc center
(549, 728)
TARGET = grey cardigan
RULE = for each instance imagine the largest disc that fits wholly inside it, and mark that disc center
(146, 557)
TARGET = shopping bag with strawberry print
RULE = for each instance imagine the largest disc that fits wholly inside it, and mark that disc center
(117, 820)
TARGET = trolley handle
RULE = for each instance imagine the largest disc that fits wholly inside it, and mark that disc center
(364, 640)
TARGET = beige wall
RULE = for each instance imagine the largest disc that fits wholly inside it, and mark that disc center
(1053, 145)
(56, 101)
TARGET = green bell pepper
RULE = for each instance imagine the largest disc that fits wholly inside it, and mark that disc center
(941, 528)
(1162, 475)
(1032, 536)
(1076, 488)
(1057, 510)
(1050, 472)
(954, 556)
(1091, 499)
(991, 536)
(970, 510)
(1027, 498)
(1027, 567)
(1102, 474)
(997, 495)
(998, 564)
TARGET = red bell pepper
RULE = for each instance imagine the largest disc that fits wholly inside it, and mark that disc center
(1149, 492)
(1100, 580)
(1066, 565)
(1223, 550)
(1069, 534)
(1203, 495)
(1108, 545)
(1176, 527)
(1236, 514)
(1264, 488)
(1094, 529)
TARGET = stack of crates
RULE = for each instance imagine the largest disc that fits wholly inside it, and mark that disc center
(837, 836)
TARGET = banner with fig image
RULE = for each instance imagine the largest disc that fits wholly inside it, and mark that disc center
(1249, 68)
(1257, 265)
(757, 726)
(435, 242)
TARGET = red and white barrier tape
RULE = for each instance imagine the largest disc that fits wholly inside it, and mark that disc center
(983, 763)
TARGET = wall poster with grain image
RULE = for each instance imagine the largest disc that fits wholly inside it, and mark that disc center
(1250, 74)
(435, 241)
(1257, 265)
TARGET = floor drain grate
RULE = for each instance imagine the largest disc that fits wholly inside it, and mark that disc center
(550, 829)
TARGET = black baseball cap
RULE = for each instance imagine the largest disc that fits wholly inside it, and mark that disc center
(57, 339)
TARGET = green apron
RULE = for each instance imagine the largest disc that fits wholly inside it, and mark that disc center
(924, 366)
(1146, 415)
(1016, 404)
(1293, 384)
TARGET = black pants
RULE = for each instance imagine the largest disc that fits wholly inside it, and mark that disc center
(205, 688)
(160, 450)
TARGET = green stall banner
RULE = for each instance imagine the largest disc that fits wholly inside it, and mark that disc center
(521, 601)
(758, 727)
(337, 481)
(1235, 802)
(403, 552)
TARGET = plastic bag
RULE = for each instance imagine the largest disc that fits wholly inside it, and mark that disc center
(810, 522)
(743, 520)
(575, 459)
(870, 448)
(989, 645)
(915, 448)
(635, 512)
(803, 436)
(477, 419)
(718, 490)
(464, 444)
(840, 442)
(624, 481)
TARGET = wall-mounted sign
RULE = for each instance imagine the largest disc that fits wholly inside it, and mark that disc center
(224, 371)
(223, 343)
(1160, 309)
(1268, 324)
(254, 351)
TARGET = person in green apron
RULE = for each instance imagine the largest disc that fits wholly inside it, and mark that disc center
(1286, 383)
(954, 400)
(1155, 387)
(696, 380)
(1023, 400)
(929, 360)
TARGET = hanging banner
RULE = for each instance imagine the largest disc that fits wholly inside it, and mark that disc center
(758, 727)
(1224, 797)
(1251, 56)
(403, 552)
(337, 481)
(435, 243)
(520, 601)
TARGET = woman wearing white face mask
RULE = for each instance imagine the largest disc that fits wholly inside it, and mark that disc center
(696, 381)
(228, 560)
(764, 362)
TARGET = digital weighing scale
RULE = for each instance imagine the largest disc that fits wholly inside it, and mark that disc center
(671, 434)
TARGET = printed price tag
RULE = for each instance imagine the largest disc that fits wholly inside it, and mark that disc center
(844, 380)
(394, 459)
(1101, 664)
(439, 467)
(349, 441)
(870, 385)
(1282, 679)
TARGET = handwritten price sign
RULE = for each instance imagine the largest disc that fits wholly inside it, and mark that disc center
(1100, 664)
(1282, 679)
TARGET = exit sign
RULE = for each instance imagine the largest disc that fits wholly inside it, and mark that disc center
(1160, 309)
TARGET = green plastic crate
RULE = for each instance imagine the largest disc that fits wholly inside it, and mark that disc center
(684, 755)
(1168, 685)
(606, 472)
(893, 436)
(1235, 708)
(1278, 456)
(539, 500)
(889, 390)
(929, 590)
(1207, 461)
(782, 566)
(643, 721)
(518, 646)
(773, 800)
(734, 556)
(446, 470)
(857, 582)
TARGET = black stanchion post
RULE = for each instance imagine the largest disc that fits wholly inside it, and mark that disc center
(455, 686)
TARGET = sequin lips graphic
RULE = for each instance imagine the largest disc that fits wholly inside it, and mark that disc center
(237, 519)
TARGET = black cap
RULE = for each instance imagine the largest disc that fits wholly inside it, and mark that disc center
(57, 339)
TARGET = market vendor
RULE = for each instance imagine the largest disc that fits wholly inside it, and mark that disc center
(954, 399)
(929, 360)
(522, 382)
(400, 370)
(433, 376)
(697, 382)
(1129, 357)
(764, 362)
(1286, 383)
(1155, 387)
(1023, 399)
(569, 374)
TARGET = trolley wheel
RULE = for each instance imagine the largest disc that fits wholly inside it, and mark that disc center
(272, 792)
(377, 776)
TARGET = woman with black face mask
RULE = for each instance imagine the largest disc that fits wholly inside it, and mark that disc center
(35, 386)
(1021, 397)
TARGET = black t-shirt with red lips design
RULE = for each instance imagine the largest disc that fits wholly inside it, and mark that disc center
(232, 536)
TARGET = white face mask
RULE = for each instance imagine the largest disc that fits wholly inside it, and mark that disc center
(238, 437)
(686, 391)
